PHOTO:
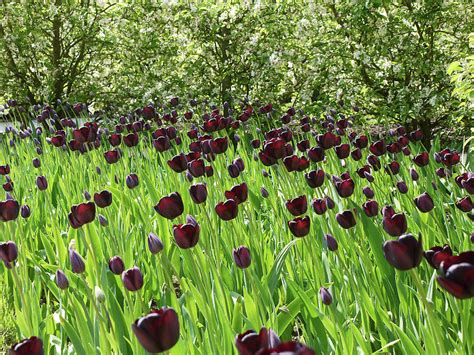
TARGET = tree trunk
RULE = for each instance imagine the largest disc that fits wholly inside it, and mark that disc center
(58, 83)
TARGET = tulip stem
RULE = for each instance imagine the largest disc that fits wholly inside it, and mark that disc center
(432, 320)
(23, 301)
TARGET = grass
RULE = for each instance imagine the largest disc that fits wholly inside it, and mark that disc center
(375, 308)
(7, 325)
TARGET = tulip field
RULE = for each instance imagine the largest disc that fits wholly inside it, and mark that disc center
(180, 229)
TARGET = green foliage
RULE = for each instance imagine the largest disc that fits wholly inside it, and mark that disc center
(388, 57)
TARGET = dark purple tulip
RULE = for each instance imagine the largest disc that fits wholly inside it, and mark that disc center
(468, 184)
(402, 187)
(404, 253)
(368, 192)
(436, 255)
(178, 163)
(36, 162)
(198, 193)
(371, 208)
(330, 203)
(374, 162)
(394, 167)
(4, 169)
(356, 154)
(61, 280)
(242, 257)
(316, 154)
(81, 214)
(77, 263)
(31, 346)
(8, 251)
(9, 210)
(326, 297)
(346, 219)
(251, 342)
(116, 265)
(227, 210)
(196, 167)
(233, 170)
(422, 159)
(131, 181)
(414, 175)
(131, 139)
(441, 172)
(297, 206)
(264, 192)
(186, 235)
(342, 151)
(344, 188)
(25, 211)
(369, 177)
(132, 279)
(155, 244)
(319, 206)
(239, 163)
(424, 202)
(378, 148)
(42, 183)
(158, 331)
(300, 226)
(315, 178)
(170, 206)
(112, 156)
(458, 278)
(395, 224)
(8, 186)
(465, 204)
(87, 195)
(238, 193)
(103, 199)
(331, 242)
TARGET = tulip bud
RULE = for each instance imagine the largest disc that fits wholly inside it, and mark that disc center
(368, 192)
(8, 251)
(77, 263)
(325, 296)
(25, 211)
(424, 202)
(331, 242)
(87, 195)
(330, 203)
(97, 170)
(132, 279)
(103, 221)
(42, 183)
(99, 294)
(132, 181)
(61, 280)
(264, 192)
(402, 187)
(116, 265)
(242, 257)
(154, 243)
(36, 162)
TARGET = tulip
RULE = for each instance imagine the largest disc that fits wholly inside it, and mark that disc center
(81, 214)
(424, 202)
(395, 224)
(264, 192)
(25, 211)
(116, 265)
(331, 242)
(326, 297)
(315, 178)
(394, 167)
(422, 159)
(170, 206)
(77, 263)
(404, 253)
(36, 162)
(297, 206)
(132, 279)
(346, 219)
(233, 170)
(402, 187)
(42, 183)
(87, 195)
(155, 245)
(132, 181)
(186, 235)
(242, 257)
(378, 148)
(458, 275)
(251, 342)
(61, 280)
(31, 346)
(371, 208)
(465, 204)
(368, 192)
(158, 331)
(8, 251)
(299, 226)
(103, 199)
(103, 221)
(436, 255)
(238, 193)
(345, 188)
(227, 210)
